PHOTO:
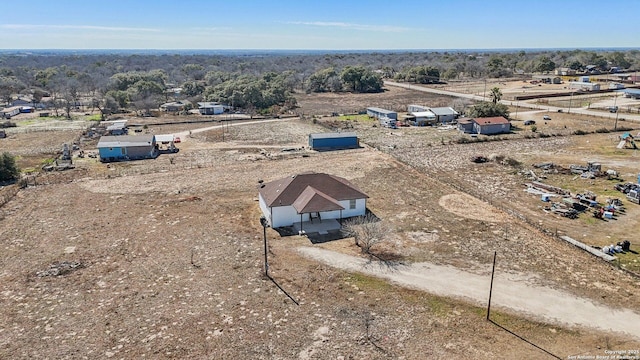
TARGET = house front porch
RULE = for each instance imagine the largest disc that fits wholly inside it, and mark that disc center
(321, 227)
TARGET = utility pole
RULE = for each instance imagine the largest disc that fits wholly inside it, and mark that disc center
(491, 287)
(263, 221)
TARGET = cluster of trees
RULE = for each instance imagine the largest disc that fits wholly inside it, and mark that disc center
(270, 92)
(351, 78)
(423, 74)
(266, 81)
(8, 169)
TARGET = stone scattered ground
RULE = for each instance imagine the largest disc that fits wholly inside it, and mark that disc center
(168, 259)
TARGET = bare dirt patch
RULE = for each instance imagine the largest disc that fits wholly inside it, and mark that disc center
(470, 207)
(168, 276)
(393, 98)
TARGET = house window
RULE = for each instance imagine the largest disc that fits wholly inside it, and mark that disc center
(352, 204)
(124, 152)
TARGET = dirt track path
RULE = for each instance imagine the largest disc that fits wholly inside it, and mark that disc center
(509, 292)
(185, 134)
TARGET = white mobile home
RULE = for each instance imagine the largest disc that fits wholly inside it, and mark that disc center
(585, 86)
(387, 118)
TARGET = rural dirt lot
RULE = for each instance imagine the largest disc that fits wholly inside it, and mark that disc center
(164, 258)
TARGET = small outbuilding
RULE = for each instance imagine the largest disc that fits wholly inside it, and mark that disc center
(333, 141)
(416, 108)
(445, 114)
(465, 125)
(422, 118)
(127, 147)
(117, 128)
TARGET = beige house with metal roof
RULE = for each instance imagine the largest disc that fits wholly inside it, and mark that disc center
(310, 197)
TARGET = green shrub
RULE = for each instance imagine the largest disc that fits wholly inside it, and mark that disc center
(8, 169)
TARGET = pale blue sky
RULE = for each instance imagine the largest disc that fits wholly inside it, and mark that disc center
(322, 25)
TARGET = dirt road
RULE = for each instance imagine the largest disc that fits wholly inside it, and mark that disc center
(510, 291)
(184, 134)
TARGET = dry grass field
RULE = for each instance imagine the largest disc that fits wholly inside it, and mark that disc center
(163, 258)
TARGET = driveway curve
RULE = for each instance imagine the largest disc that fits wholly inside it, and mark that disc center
(510, 291)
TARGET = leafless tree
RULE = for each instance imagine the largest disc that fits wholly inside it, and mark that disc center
(367, 231)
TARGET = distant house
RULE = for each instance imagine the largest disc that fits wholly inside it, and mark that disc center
(444, 114)
(127, 147)
(301, 198)
(176, 106)
(491, 125)
(9, 112)
(547, 79)
(210, 108)
(333, 141)
(21, 101)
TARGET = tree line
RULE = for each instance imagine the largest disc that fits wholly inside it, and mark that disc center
(261, 83)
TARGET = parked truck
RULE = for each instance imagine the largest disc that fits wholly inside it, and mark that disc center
(388, 122)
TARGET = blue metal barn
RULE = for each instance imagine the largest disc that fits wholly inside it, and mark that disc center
(334, 141)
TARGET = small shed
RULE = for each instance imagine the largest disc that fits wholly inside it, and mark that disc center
(422, 118)
(127, 147)
(445, 114)
(416, 108)
(491, 125)
(118, 128)
(333, 141)
(465, 125)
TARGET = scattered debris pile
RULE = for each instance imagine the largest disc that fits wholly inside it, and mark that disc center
(621, 247)
(589, 171)
(479, 159)
(631, 190)
(61, 268)
(545, 188)
(571, 206)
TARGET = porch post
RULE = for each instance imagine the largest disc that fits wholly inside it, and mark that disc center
(300, 222)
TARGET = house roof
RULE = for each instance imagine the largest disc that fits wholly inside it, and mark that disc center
(179, 103)
(285, 191)
(205, 105)
(333, 135)
(314, 200)
(465, 121)
(165, 138)
(427, 114)
(439, 111)
(125, 141)
(381, 110)
(491, 120)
